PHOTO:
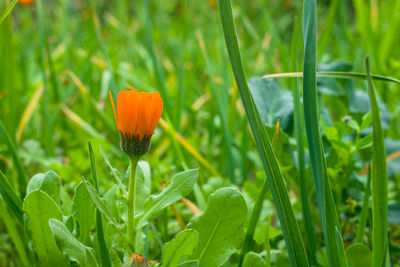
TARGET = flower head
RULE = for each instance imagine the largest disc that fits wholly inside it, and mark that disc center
(137, 260)
(136, 115)
(25, 2)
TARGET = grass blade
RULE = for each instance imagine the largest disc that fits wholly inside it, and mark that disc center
(334, 74)
(8, 10)
(299, 131)
(364, 210)
(325, 199)
(11, 198)
(287, 219)
(22, 180)
(379, 180)
(104, 253)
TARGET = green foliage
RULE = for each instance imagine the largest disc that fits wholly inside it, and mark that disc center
(253, 260)
(84, 217)
(220, 227)
(183, 244)
(359, 255)
(48, 182)
(40, 208)
(70, 246)
(181, 185)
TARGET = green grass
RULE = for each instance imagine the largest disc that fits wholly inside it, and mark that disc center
(307, 192)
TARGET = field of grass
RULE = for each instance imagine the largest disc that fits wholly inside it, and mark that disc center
(278, 143)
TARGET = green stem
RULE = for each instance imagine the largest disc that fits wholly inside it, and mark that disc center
(131, 204)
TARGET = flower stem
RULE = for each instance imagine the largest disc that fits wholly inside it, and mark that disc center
(131, 204)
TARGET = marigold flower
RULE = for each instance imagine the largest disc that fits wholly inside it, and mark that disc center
(25, 2)
(136, 115)
(137, 260)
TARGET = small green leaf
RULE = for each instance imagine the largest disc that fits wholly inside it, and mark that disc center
(40, 208)
(364, 142)
(70, 246)
(183, 244)
(181, 185)
(99, 203)
(220, 227)
(253, 260)
(84, 212)
(359, 255)
(48, 182)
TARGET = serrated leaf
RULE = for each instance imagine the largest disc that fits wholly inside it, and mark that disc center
(70, 246)
(84, 212)
(40, 208)
(99, 203)
(183, 244)
(49, 182)
(220, 227)
(181, 185)
(253, 260)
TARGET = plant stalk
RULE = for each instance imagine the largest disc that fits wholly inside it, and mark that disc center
(131, 204)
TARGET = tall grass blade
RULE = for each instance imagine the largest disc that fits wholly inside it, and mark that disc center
(22, 180)
(299, 131)
(8, 10)
(379, 178)
(275, 180)
(104, 253)
(11, 198)
(325, 200)
(364, 210)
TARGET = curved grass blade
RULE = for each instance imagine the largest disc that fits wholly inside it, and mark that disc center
(379, 180)
(104, 253)
(334, 74)
(325, 199)
(8, 10)
(22, 180)
(275, 180)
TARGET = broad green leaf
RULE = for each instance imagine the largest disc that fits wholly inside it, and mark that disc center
(183, 244)
(99, 203)
(193, 263)
(48, 182)
(114, 174)
(359, 255)
(274, 176)
(379, 179)
(220, 227)
(272, 102)
(181, 185)
(40, 208)
(10, 197)
(84, 212)
(70, 246)
(253, 260)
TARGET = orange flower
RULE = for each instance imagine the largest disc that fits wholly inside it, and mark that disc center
(137, 115)
(25, 2)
